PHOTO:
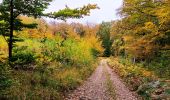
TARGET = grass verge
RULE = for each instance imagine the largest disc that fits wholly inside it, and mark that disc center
(144, 82)
(109, 85)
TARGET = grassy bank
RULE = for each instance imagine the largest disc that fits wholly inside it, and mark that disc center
(44, 82)
(46, 68)
(145, 82)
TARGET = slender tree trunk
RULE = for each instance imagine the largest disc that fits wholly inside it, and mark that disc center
(134, 60)
(10, 44)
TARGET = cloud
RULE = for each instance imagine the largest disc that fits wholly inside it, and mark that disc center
(107, 11)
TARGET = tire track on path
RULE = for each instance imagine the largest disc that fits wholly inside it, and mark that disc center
(96, 87)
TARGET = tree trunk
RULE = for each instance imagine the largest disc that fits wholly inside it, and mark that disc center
(10, 44)
(134, 60)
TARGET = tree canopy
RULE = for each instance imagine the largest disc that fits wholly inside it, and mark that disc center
(9, 18)
(146, 23)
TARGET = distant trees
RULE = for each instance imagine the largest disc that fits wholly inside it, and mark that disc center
(104, 34)
(10, 10)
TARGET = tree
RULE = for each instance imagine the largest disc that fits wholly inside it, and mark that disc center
(105, 36)
(144, 27)
(9, 21)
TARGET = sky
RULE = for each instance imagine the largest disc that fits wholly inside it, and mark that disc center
(107, 11)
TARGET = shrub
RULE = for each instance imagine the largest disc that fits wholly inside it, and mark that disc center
(77, 53)
(22, 57)
(5, 79)
(95, 52)
(145, 82)
(161, 64)
(61, 65)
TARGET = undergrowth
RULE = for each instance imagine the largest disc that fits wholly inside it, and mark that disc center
(46, 68)
(146, 83)
(109, 86)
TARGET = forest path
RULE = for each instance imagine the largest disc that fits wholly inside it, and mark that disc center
(104, 84)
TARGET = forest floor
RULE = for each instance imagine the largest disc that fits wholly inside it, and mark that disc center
(104, 84)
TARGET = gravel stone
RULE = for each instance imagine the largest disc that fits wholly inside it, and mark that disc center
(95, 87)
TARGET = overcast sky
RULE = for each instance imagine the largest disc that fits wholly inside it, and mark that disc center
(107, 11)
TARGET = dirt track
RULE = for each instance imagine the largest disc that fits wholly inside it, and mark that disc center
(104, 84)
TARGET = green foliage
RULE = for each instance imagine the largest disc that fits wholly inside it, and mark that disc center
(5, 78)
(73, 13)
(11, 9)
(160, 64)
(48, 65)
(77, 53)
(105, 36)
(32, 85)
(68, 52)
(10, 21)
(46, 82)
(22, 57)
(33, 8)
(95, 52)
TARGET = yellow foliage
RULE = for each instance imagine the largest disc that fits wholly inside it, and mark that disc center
(125, 70)
(3, 48)
(146, 73)
(128, 38)
(28, 20)
(94, 43)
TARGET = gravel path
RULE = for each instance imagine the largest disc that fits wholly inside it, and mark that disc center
(95, 88)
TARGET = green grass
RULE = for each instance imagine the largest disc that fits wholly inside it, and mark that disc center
(45, 82)
(48, 69)
(110, 87)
